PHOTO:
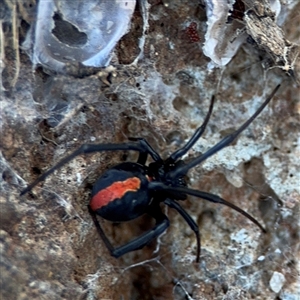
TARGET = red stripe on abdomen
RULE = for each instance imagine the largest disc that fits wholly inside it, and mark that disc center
(115, 191)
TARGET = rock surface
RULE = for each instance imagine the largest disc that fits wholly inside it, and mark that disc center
(49, 246)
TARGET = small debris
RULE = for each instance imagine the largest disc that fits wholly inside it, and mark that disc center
(192, 33)
(268, 36)
(277, 281)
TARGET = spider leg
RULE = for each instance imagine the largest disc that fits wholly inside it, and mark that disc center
(206, 196)
(162, 223)
(180, 152)
(142, 158)
(144, 155)
(173, 204)
(140, 145)
(227, 140)
(106, 241)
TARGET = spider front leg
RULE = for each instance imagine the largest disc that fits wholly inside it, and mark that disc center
(196, 136)
(162, 223)
(226, 141)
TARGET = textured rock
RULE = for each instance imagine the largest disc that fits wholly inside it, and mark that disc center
(49, 246)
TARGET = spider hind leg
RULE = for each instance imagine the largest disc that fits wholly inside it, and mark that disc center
(162, 223)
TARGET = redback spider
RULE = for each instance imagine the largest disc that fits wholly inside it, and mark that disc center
(131, 189)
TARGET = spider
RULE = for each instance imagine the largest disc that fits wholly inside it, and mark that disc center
(131, 189)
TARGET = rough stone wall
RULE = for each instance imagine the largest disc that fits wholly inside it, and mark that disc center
(49, 246)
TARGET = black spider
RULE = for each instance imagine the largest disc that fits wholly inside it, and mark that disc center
(129, 190)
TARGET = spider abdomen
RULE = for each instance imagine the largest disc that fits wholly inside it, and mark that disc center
(121, 194)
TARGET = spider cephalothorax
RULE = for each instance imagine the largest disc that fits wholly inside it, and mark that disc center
(131, 189)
